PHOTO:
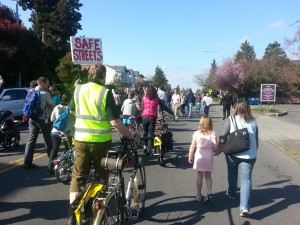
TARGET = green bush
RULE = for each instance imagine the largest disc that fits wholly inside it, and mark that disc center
(265, 109)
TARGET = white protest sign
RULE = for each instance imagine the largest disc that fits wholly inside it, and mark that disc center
(86, 50)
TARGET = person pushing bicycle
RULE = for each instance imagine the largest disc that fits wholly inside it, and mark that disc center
(96, 112)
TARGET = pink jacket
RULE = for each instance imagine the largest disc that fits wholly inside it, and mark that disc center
(150, 106)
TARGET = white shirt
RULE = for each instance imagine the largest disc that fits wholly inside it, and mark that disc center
(162, 95)
(175, 99)
(207, 100)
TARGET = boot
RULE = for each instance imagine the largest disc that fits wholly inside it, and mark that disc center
(71, 216)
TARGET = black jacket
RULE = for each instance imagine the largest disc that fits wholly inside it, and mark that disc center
(227, 100)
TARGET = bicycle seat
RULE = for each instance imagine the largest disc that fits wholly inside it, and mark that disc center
(116, 151)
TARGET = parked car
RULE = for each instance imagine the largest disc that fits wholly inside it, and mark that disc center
(253, 101)
(12, 99)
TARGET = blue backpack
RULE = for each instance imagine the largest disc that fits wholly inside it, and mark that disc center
(32, 105)
(60, 123)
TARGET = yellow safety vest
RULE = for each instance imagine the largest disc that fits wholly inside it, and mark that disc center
(92, 124)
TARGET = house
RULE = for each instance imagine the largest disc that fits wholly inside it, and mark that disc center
(126, 76)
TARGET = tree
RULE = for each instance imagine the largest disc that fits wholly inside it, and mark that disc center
(275, 53)
(159, 77)
(206, 81)
(54, 21)
(7, 14)
(230, 76)
(293, 44)
(20, 50)
(68, 73)
(246, 53)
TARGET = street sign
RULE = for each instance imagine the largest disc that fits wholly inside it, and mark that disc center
(210, 91)
(268, 92)
(86, 50)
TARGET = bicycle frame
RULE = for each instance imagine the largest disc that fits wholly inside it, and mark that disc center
(127, 197)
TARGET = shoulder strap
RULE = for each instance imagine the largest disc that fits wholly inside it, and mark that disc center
(234, 122)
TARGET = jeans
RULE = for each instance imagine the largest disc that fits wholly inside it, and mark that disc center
(190, 107)
(54, 152)
(34, 127)
(149, 126)
(226, 110)
(244, 167)
(206, 110)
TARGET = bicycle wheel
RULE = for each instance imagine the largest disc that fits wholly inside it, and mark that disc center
(63, 172)
(139, 191)
(112, 211)
(11, 139)
(160, 156)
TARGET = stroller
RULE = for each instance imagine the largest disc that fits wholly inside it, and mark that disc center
(9, 135)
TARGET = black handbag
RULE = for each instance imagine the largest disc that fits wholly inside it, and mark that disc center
(235, 142)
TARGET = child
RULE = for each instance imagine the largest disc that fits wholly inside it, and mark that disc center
(56, 134)
(129, 108)
(198, 107)
(205, 142)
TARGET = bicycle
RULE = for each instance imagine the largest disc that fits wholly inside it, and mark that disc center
(111, 203)
(162, 141)
(134, 126)
(63, 164)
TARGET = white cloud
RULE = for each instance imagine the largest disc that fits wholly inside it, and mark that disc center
(277, 24)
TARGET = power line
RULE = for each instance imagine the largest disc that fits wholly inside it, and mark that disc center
(297, 21)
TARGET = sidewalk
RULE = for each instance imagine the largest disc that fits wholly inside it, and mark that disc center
(281, 134)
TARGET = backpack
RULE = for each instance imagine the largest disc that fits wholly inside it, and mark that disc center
(167, 141)
(60, 123)
(32, 105)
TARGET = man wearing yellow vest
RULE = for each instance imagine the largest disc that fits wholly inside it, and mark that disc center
(96, 112)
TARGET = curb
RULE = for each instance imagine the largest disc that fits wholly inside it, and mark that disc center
(285, 150)
(277, 114)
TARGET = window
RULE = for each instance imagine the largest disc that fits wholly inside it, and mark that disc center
(21, 94)
(11, 94)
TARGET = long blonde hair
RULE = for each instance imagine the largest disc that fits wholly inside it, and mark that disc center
(205, 124)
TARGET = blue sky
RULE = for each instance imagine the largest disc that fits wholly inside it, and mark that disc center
(182, 36)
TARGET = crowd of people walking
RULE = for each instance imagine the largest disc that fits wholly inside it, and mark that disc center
(95, 109)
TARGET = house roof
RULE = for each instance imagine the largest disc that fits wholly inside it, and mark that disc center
(118, 68)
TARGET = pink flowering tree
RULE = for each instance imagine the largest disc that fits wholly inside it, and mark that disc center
(230, 76)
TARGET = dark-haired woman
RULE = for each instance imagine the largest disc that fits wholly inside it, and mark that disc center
(243, 162)
(149, 107)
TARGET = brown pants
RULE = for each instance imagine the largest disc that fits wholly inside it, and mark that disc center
(86, 154)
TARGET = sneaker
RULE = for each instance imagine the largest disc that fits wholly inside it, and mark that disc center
(199, 198)
(32, 165)
(244, 213)
(230, 197)
(176, 118)
(145, 148)
(208, 199)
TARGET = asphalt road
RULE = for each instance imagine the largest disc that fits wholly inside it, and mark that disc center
(34, 197)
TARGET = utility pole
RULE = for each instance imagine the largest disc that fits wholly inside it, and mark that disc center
(18, 23)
